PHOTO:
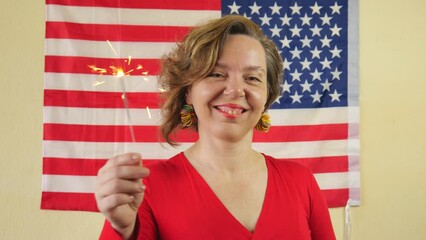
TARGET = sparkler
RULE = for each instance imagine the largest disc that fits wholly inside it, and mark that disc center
(120, 73)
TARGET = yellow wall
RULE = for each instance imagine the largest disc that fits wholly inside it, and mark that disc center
(393, 132)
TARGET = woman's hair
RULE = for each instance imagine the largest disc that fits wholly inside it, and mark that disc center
(196, 56)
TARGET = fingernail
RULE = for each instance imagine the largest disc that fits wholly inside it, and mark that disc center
(132, 198)
(142, 187)
(136, 156)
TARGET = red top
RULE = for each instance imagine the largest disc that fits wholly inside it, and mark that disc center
(179, 204)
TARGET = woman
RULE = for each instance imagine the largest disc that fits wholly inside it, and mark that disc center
(220, 80)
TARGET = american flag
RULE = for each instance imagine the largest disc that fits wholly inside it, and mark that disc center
(314, 121)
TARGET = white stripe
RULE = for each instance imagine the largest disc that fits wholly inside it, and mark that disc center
(153, 17)
(86, 184)
(294, 117)
(98, 83)
(339, 180)
(101, 49)
(109, 116)
(71, 184)
(91, 150)
(101, 116)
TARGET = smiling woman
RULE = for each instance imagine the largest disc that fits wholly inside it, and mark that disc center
(220, 80)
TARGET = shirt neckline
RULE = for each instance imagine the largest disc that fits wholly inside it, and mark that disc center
(223, 207)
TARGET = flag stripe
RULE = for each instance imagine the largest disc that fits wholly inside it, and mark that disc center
(66, 149)
(86, 201)
(128, 16)
(101, 49)
(91, 99)
(104, 83)
(112, 116)
(103, 32)
(86, 184)
(68, 201)
(117, 133)
(163, 4)
(336, 197)
(90, 167)
(63, 64)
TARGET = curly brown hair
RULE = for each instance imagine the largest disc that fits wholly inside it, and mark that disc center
(195, 57)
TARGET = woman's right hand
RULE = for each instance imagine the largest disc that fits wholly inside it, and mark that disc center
(119, 191)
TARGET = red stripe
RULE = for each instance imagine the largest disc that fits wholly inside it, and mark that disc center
(103, 32)
(163, 4)
(78, 167)
(86, 201)
(323, 164)
(336, 197)
(90, 167)
(303, 133)
(89, 99)
(121, 133)
(62, 64)
(69, 201)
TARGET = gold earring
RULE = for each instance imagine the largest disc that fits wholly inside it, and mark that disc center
(188, 116)
(264, 123)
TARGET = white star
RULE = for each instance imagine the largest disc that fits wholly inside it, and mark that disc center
(286, 87)
(285, 42)
(335, 30)
(306, 86)
(296, 97)
(326, 19)
(335, 52)
(286, 64)
(295, 9)
(246, 16)
(325, 41)
(306, 64)
(295, 75)
(336, 74)
(316, 30)
(326, 85)
(326, 63)
(275, 31)
(255, 9)
(316, 53)
(285, 20)
(265, 20)
(295, 31)
(306, 20)
(275, 9)
(278, 99)
(316, 9)
(316, 97)
(316, 75)
(296, 53)
(234, 8)
(306, 42)
(336, 8)
(335, 96)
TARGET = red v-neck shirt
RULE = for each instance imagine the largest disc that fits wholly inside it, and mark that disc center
(179, 204)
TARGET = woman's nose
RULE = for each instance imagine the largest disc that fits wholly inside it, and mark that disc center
(235, 87)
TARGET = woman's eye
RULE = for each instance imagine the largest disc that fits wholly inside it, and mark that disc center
(253, 78)
(215, 75)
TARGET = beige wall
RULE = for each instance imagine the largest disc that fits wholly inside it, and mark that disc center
(393, 131)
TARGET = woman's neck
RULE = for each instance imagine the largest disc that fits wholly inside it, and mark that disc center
(219, 155)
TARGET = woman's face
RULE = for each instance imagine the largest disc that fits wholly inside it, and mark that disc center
(230, 100)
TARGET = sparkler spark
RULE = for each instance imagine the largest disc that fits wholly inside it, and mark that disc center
(120, 72)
